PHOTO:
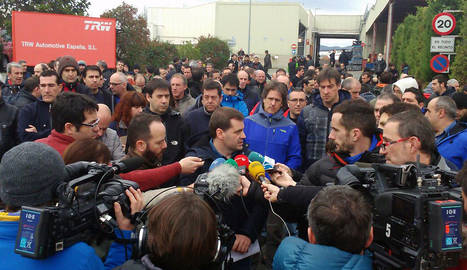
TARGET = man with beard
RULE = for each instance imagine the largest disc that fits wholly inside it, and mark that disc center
(355, 139)
(461, 103)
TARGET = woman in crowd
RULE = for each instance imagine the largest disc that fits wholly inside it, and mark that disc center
(131, 104)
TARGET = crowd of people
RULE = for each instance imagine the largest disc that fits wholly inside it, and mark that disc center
(179, 119)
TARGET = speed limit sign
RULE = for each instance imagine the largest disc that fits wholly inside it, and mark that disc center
(444, 23)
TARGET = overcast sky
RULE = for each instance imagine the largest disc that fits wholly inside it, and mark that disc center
(319, 6)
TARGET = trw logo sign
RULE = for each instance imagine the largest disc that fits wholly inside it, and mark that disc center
(40, 37)
(97, 26)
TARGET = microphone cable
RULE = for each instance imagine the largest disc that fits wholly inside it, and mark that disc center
(277, 215)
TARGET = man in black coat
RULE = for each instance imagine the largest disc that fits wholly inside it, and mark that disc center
(245, 216)
(8, 122)
(29, 93)
(177, 132)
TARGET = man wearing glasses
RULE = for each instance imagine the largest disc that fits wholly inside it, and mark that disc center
(118, 86)
(34, 119)
(407, 135)
(296, 102)
(74, 117)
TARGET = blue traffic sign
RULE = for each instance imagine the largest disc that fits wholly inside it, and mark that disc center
(439, 63)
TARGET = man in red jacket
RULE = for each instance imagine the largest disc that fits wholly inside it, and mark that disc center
(147, 139)
(74, 117)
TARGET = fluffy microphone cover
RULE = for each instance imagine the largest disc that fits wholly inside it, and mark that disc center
(223, 182)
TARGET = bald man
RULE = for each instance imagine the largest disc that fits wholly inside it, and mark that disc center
(353, 86)
(107, 135)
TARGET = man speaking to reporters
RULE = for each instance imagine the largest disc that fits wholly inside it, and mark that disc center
(244, 216)
(30, 174)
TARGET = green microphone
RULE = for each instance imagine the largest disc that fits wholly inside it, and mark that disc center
(232, 163)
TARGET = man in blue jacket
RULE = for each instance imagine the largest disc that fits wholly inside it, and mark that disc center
(271, 134)
(339, 231)
(231, 96)
(29, 179)
(451, 135)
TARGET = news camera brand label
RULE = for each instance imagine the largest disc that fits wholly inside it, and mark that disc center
(451, 215)
(30, 221)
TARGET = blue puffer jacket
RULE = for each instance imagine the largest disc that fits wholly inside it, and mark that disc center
(297, 254)
(274, 136)
(235, 102)
(452, 143)
(78, 256)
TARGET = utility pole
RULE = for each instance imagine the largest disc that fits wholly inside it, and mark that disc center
(249, 27)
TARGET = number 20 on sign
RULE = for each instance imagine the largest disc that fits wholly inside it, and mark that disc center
(444, 23)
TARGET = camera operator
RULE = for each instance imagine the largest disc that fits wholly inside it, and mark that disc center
(339, 231)
(407, 135)
(30, 174)
(182, 234)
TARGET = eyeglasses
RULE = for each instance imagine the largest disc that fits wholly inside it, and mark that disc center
(93, 124)
(384, 145)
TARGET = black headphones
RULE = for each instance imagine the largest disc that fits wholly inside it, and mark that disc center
(225, 235)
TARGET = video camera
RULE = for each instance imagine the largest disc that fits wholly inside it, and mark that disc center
(85, 205)
(417, 217)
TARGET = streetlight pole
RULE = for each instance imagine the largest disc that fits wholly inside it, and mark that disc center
(249, 27)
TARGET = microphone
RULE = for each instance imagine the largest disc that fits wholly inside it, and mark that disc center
(80, 168)
(221, 183)
(232, 163)
(255, 156)
(256, 170)
(242, 162)
(127, 165)
(216, 162)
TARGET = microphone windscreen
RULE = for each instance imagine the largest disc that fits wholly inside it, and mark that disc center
(223, 182)
(129, 164)
(216, 162)
(242, 160)
(256, 169)
(255, 156)
(232, 163)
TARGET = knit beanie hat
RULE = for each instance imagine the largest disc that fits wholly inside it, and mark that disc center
(67, 61)
(29, 174)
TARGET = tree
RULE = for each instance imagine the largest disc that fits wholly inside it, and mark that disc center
(160, 53)
(132, 34)
(459, 66)
(73, 7)
(213, 50)
(187, 49)
(411, 40)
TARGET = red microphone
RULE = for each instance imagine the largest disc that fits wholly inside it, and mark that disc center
(242, 162)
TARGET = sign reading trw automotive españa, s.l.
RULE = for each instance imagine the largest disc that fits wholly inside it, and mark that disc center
(41, 37)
